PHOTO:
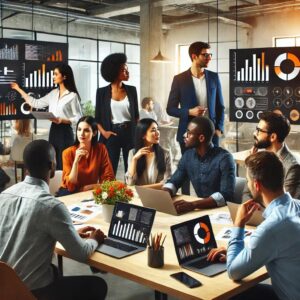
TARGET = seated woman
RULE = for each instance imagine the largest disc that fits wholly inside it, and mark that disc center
(87, 162)
(148, 163)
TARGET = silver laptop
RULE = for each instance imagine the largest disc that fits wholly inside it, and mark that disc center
(129, 230)
(193, 240)
(157, 199)
(255, 220)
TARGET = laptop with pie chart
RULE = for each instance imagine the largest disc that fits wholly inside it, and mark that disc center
(193, 240)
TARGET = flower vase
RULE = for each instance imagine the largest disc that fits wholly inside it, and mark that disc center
(107, 211)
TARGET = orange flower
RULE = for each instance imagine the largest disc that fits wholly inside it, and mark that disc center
(98, 191)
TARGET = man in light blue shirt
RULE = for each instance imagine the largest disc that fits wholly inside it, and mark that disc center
(276, 242)
(32, 221)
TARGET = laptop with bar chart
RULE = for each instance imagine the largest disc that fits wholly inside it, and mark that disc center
(129, 230)
(193, 240)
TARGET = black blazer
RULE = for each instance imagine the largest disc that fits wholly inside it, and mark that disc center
(103, 113)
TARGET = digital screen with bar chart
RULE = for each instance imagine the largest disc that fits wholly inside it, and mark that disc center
(264, 79)
(31, 65)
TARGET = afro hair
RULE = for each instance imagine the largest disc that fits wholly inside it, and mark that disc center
(111, 66)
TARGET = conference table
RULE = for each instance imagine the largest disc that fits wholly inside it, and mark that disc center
(135, 267)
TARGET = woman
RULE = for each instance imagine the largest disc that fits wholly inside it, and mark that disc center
(149, 164)
(87, 162)
(116, 109)
(64, 103)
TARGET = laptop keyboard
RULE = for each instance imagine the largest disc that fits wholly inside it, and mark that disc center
(201, 264)
(118, 245)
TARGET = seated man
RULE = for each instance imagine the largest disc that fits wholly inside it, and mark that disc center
(32, 221)
(211, 169)
(147, 111)
(270, 134)
(276, 242)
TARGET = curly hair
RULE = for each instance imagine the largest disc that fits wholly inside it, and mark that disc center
(111, 66)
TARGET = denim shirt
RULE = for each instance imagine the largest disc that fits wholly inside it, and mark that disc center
(275, 244)
(212, 175)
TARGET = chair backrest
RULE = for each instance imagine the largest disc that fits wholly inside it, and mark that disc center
(11, 286)
(240, 183)
(55, 182)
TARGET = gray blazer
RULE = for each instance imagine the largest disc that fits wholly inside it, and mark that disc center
(291, 164)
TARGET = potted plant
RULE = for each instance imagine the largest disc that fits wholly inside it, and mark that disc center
(108, 193)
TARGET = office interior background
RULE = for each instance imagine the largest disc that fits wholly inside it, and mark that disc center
(95, 28)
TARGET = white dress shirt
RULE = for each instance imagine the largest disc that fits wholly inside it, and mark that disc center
(201, 90)
(66, 107)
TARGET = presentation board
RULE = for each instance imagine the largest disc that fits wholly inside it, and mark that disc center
(31, 65)
(264, 79)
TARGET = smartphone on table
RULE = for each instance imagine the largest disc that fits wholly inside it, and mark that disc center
(186, 279)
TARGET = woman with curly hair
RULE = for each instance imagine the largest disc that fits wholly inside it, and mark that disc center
(116, 109)
(149, 164)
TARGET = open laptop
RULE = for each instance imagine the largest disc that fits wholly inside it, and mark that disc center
(193, 240)
(129, 230)
(255, 220)
(157, 199)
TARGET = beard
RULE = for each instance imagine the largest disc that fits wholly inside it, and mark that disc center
(263, 144)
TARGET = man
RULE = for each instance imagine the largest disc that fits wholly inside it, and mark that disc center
(276, 242)
(147, 110)
(196, 92)
(32, 221)
(270, 134)
(211, 169)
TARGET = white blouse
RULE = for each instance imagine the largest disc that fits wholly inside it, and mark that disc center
(65, 107)
(120, 111)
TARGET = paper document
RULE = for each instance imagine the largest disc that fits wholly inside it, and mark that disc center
(225, 234)
(221, 218)
(43, 115)
(84, 212)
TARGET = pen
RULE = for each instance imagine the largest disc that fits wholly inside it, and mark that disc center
(87, 200)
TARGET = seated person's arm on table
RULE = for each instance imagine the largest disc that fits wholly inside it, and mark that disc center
(62, 230)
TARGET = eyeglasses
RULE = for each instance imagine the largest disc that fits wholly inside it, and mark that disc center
(258, 130)
(206, 55)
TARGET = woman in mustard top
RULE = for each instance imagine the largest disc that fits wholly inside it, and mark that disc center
(87, 162)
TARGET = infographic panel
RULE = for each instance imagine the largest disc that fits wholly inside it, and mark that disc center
(31, 65)
(264, 79)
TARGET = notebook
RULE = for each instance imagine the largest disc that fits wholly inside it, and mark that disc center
(157, 199)
(192, 241)
(255, 219)
(129, 230)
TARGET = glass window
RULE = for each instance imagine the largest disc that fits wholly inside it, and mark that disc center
(17, 34)
(51, 38)
(102, 82)
(183, 58)
(298, 41)
(134, 76)
(85, 74)
(82, 49)
(285, 42)
(104, 50)
(116, 47)
(133, 53)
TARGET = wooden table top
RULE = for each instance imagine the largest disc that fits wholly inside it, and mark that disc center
(135, 267)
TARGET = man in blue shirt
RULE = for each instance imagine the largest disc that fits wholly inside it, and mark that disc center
(276, 242)
(211, 169)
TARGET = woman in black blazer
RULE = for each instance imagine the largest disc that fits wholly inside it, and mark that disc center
(117, 110)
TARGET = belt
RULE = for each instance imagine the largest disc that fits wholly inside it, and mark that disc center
(121, 125)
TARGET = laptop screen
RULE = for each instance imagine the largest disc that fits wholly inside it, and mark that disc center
(131, 223)
(193, 239)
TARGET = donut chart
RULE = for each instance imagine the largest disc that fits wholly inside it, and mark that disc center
(280, 59)
(204, 227)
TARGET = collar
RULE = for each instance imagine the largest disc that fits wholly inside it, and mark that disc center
(36, 181)
(208, 152)
(282, 200)
(66, 92)
(283, 151)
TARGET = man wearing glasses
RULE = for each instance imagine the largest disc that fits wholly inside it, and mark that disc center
(196, 92)
(270, 134)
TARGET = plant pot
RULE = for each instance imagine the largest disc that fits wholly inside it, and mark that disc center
(107, 211)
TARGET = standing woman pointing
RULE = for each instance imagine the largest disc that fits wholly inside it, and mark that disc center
(64, 103)
(117, 109)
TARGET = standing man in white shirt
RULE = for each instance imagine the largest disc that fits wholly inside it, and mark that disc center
(197, 92)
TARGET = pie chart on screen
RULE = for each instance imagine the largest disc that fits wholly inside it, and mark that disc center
(288, 58)
(204, 228)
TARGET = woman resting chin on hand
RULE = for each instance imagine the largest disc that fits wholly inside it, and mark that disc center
(87, 162)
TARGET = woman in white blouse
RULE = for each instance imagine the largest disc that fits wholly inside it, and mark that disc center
(148, 163)
(64, 103)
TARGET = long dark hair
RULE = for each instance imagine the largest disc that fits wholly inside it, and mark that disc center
(140, 131)
(92, 122)
(69, 81)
